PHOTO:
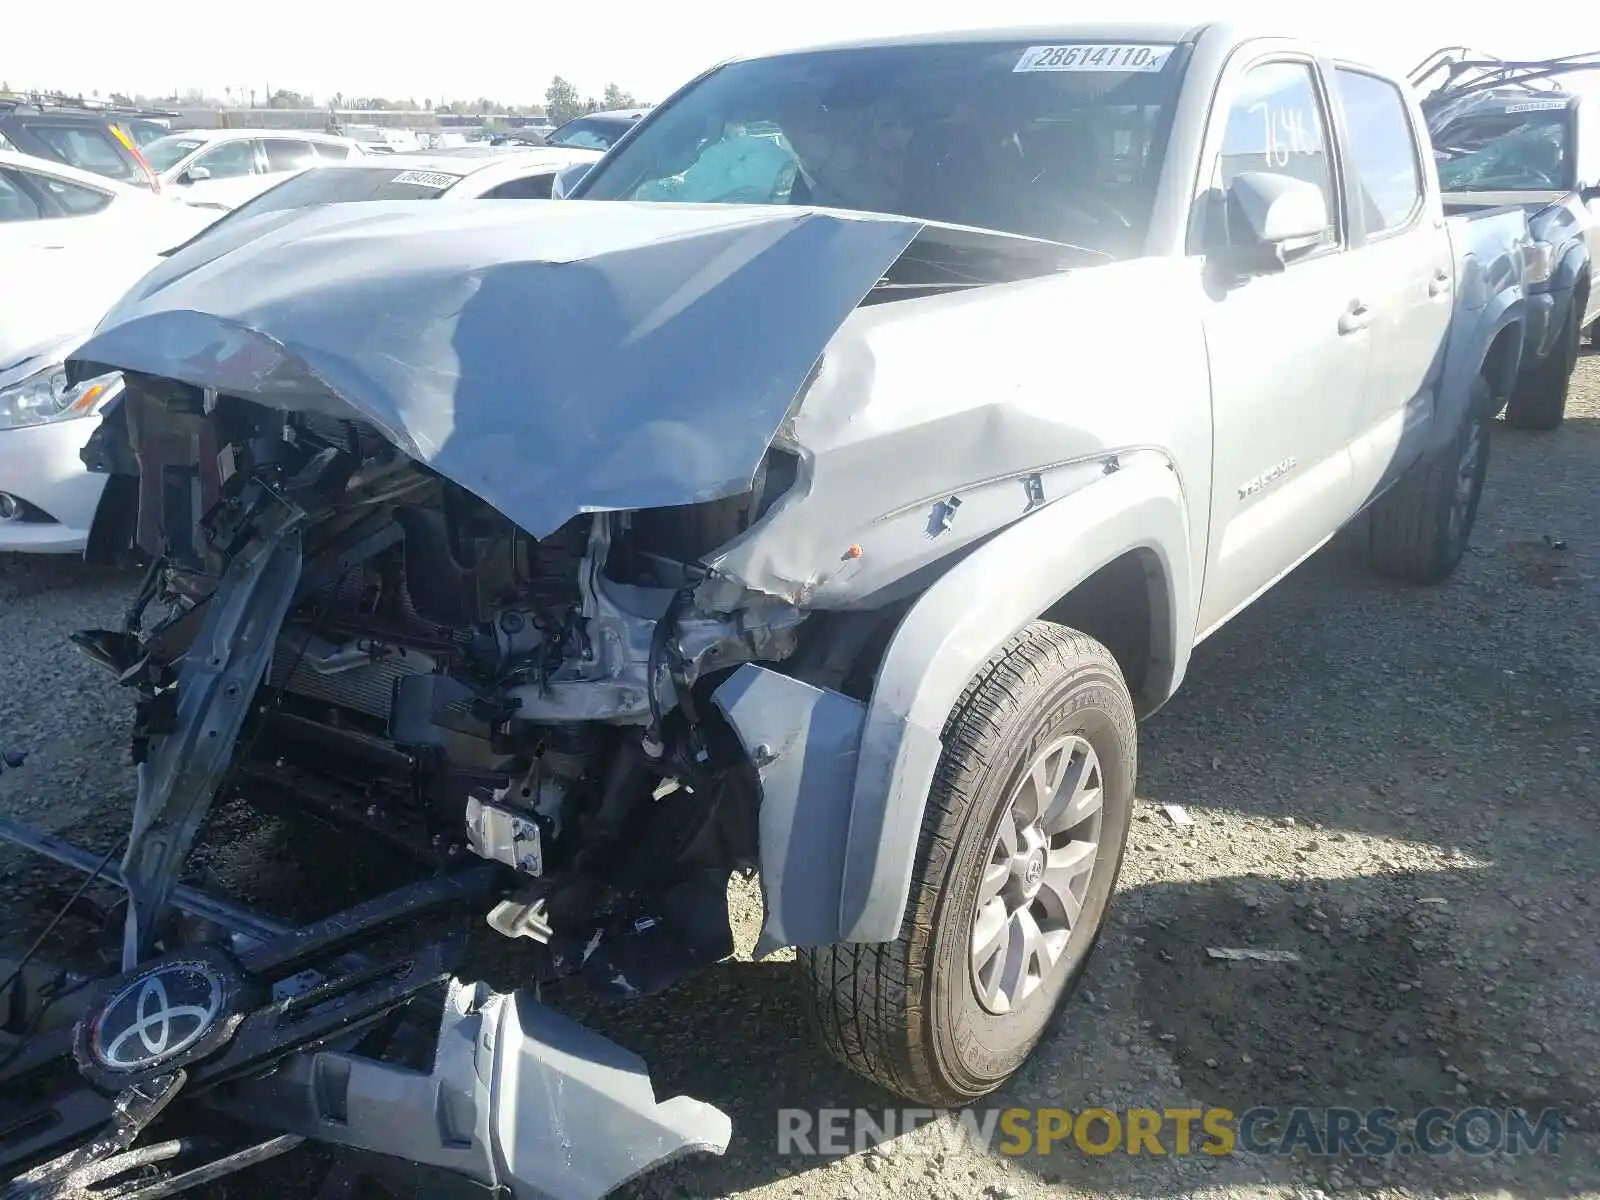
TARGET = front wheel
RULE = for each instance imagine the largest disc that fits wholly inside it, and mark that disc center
(1020, 847)
(1420, 527)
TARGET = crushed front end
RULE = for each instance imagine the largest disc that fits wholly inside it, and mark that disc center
(347, 637)
(437, 508)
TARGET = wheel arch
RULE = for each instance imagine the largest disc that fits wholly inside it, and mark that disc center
(1123, 539)
(1486, 342)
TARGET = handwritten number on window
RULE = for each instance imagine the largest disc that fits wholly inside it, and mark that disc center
(1286, 132)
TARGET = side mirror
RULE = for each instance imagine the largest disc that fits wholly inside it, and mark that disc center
(1269, 216)
(567, 178)
(1278, 209)
(196, 175)
(1589, 193)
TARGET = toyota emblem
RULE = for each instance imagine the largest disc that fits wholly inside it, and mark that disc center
(1035, 870)
(158, 1015)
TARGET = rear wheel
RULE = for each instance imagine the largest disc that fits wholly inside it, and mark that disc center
(1021, 843)
(1539, 398)
(1420, 527)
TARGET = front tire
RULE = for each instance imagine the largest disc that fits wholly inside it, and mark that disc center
(1420, 527)
(1020, 847)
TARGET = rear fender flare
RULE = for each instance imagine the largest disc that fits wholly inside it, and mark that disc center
(957, 625)
(1467, 355)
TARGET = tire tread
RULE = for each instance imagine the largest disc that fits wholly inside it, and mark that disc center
(1406, 536)
(864, 1000)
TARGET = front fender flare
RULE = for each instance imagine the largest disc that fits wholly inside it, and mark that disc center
(956, 626)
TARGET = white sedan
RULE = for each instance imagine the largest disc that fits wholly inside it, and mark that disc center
(71, 243)
(222, 168)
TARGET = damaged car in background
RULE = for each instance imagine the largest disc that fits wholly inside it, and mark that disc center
(833, 521)
(1526, 133)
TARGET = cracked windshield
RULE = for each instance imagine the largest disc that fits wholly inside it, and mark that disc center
(1507, 150)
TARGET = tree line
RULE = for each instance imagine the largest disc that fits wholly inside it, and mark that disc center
(562, 101)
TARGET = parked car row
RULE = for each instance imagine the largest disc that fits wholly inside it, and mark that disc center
(75, 242)
(77, 137)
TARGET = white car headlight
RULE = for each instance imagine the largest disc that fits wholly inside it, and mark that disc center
(44, 396)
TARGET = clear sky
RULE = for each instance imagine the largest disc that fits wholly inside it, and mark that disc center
(509, 49)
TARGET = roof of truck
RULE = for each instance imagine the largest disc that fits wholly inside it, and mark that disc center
(1086, 31)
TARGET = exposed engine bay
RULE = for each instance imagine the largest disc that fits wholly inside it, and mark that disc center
(445, 683)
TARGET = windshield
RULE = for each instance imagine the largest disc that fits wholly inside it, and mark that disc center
(1059, 142)
(1506, 150)
(167, 152)
(589, 133)
(144, 132)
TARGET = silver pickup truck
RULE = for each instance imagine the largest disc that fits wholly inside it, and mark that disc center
(836, 523)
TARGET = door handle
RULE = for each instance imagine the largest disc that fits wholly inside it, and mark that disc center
(1439, 284)
(1357, 317)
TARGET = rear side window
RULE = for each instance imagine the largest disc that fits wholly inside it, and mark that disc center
(15, 203)
(72, 199)
(332, 151)
(1383, 148)
(530, 187)
(143, 132)
(588, 133)
(285, 154)
(86, 147)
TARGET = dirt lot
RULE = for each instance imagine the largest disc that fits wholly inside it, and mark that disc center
(1397, 785)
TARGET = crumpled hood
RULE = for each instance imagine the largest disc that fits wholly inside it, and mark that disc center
(553, 358)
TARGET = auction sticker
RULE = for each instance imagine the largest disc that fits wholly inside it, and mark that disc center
(427, 179)
(1536, 106)
(1081, 56)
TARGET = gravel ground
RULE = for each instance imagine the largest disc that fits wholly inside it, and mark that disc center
(1397, 785)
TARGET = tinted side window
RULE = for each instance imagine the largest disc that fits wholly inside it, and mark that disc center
(15, 203)
(531, 187)
(1276, 124)
(331, 151)
(72, 199)
(283, 154)
(1383, 149)
(229, 160)
(85, 147)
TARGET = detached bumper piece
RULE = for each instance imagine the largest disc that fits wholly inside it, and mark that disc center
(519, 1098)
(208, 1060)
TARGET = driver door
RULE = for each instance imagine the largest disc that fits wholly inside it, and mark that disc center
(1289, 352)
